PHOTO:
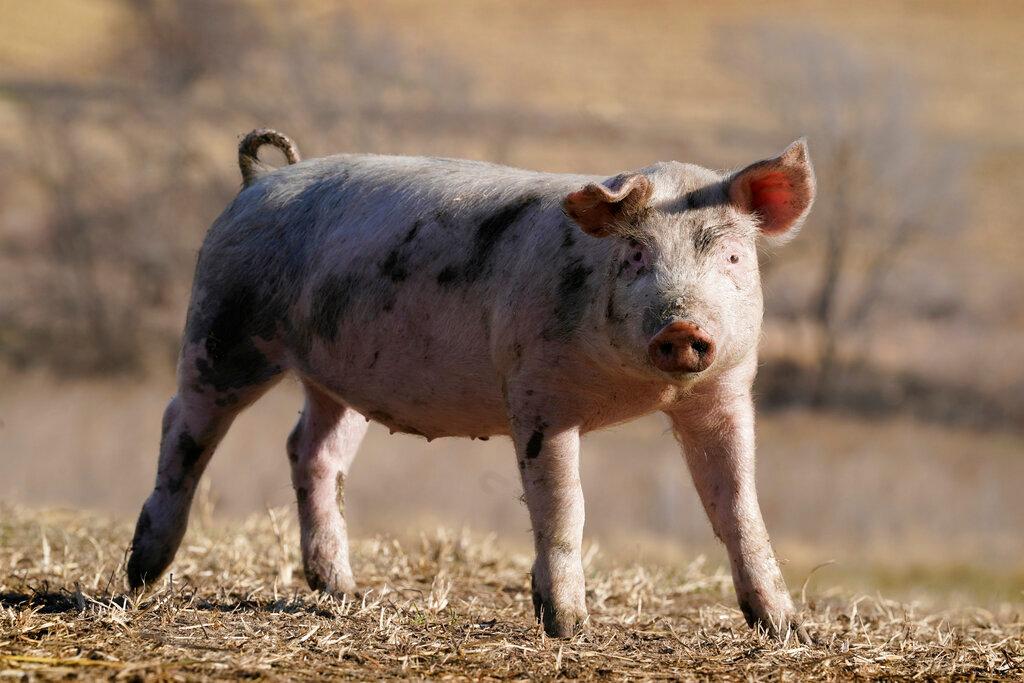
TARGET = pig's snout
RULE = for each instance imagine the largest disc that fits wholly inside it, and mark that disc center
(681, 347)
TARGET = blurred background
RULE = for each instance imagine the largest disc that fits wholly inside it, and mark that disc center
(891, 393)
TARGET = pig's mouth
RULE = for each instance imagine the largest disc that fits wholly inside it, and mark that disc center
(681, 348)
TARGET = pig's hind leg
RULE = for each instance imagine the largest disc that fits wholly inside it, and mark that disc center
(320, 450)
(217, 378)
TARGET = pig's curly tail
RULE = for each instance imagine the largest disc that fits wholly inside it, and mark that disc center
(249, 147)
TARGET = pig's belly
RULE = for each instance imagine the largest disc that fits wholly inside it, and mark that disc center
(429, 378)
(426, 368)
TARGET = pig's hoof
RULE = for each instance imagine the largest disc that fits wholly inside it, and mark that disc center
(791, 629)
(558, 622)
(336, 587)
(331, 580)
(789, 625)
(151, 552)
(562, 623)
(145, 566)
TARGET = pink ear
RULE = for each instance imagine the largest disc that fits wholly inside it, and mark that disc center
(600, 211)
(779, 191)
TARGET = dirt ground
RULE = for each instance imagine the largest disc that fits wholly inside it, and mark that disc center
(449, 606)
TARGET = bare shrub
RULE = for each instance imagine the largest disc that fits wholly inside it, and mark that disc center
(117, 179)
(884, 188)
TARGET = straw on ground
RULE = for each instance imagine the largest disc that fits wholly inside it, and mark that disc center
(451, 607)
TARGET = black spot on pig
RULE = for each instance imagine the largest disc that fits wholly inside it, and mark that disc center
(535, 443)
(568, 235)
(396, 265)
(244, 367)
(652, 321)
(748, 612)
(232, 359)
(190, 451)
(331, 299)
(609, 311)
(447, 275)
(490, 232)
(571, 301)
(411, 235)
(301, 495)
(703, 197)
(488, 235)
(393, 266)
(543, 610)
(238, 315)
(228, 400)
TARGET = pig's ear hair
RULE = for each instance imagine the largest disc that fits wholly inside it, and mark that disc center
(602, 211)
(778, 191)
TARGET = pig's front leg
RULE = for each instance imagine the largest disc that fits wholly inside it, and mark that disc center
(716, 430)
(548, 458)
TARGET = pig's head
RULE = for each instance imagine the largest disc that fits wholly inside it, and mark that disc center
(684, 290)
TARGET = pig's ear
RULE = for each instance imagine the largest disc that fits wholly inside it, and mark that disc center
(779, 191)
(602, 211)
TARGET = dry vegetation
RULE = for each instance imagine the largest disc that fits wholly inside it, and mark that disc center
(449, 607)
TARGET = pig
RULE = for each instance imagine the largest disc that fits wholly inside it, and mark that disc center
(444, 297)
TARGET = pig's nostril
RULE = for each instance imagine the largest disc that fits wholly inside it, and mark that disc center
(682, 347)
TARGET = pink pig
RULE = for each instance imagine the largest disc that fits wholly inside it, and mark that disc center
(442, 297)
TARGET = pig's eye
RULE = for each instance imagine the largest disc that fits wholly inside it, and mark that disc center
(734, 258)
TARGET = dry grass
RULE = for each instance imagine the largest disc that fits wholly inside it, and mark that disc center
(452, 607)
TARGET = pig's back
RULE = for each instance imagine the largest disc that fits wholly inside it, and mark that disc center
(407, 266)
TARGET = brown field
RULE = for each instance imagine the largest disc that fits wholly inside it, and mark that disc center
(447, 606)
